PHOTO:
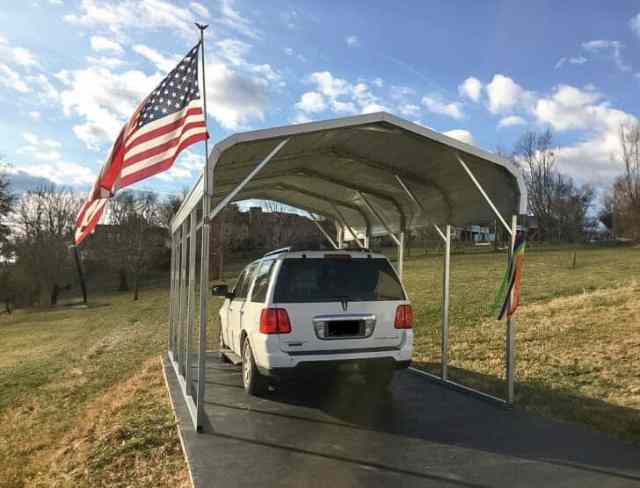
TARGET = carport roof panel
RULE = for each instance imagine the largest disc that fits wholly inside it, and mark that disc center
(348, 157)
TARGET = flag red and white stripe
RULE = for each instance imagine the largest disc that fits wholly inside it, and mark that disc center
(170, 119)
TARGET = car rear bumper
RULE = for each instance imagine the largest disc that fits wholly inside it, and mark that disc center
(333, 367)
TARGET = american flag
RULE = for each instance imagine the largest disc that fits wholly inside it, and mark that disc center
(170, 119)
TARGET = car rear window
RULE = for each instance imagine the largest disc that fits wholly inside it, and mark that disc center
(330, 280)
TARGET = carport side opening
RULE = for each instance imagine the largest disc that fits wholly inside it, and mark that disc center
(188, 224)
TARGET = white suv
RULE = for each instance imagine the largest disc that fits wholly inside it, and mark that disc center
(322, 312)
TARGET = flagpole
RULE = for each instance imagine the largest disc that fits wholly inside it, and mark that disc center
(202, 28)
(204, 252)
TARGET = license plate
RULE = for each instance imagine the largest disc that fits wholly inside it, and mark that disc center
(345, 328)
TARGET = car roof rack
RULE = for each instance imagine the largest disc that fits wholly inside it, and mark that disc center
(300, 248)
(278, 251)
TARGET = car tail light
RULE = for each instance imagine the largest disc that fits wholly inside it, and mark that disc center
(404, 317)
(274, 321)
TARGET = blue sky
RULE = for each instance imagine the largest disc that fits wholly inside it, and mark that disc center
(484, 72)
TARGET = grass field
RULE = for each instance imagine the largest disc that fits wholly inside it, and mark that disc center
(82, 400)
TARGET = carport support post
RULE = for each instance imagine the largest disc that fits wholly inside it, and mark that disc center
(445, 304)
(511, 325)
(401, 254)
(191, 301)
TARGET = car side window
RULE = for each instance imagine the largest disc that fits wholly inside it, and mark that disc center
(239, 283)
(261, 286)
(243, 289)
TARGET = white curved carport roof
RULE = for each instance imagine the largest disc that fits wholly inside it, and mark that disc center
(331, 167)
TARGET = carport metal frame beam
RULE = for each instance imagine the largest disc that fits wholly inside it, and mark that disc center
(324, 232)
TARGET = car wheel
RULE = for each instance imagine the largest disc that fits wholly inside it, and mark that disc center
(254, 383)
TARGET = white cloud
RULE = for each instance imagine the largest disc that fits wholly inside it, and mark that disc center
(591, 157)
(51, 143)
(409, 110)
(338, 96)
(290, 19)
(300, 118)
(200, 9)
(101, 43)
(352, 41)
(311, 102)
(461, 135)
(42, 87)
(569, 108)
(288, 51)
(16, 55)
(12, 80)
(233, 98)
(229, 17)
(611, 48)
(635, 24)
(41, 149)
(505, 94)
(56, 2)
(510, 121)
(139, 14)
(35, 115)
(571, 60)
(30, 137)
(61, 173)
(471, 88)
(103, 99)
(452, 109)
(234, 50)
(379, 82)
(106, 61)
(162, 62)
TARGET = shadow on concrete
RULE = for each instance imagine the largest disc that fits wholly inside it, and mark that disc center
(417, 434)
(422, 408)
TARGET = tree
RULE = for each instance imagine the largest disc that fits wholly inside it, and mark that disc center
(44, 222)
(133, 237)
(559, 204)
(169, 207)
(625, 193)
(7, 200)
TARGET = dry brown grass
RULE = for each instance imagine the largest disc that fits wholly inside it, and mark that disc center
(110, 434)
(90, 408)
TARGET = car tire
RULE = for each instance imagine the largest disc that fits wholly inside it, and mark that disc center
(252, 381)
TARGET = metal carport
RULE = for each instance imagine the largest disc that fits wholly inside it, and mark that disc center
(371, 175)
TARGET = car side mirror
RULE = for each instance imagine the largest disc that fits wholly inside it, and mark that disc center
(220, 291)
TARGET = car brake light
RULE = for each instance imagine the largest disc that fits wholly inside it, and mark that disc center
(404, 317)
(274, 321)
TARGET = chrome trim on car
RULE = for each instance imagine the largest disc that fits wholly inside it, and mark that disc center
(320, 325)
